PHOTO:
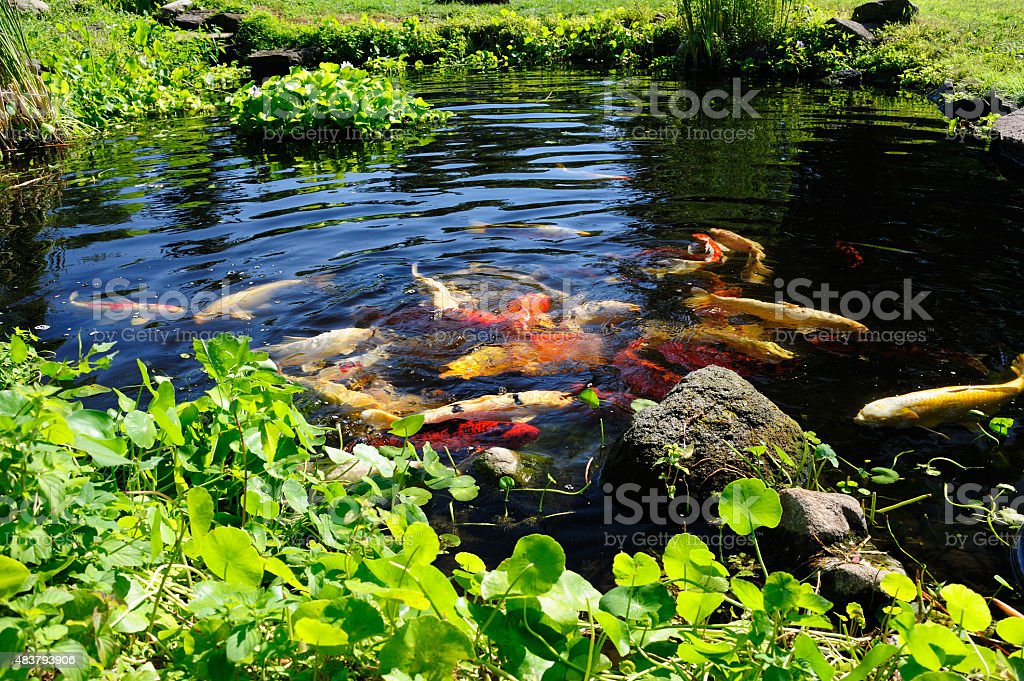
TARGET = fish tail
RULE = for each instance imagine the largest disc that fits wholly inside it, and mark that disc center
(416, 271)
(1018, 366)
(698, 298)
(477, 227)
(755, 271)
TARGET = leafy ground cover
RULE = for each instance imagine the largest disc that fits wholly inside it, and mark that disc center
(155, 538)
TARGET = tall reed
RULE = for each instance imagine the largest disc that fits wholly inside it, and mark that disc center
(27, 114)
(713, 27)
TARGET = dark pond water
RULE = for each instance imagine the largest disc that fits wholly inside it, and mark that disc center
(187, 207)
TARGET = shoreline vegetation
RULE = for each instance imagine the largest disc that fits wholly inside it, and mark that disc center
(161, 539)
(106, 65)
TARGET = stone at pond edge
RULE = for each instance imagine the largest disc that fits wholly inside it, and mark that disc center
(813, 521)
(175, 8)
(192, 20)
(721, 415)
(268, 63)
(885, 12)
(31, 6)
(844, 78)
(842, 581)
(496, 462)
(1008, 138)
(854, 29)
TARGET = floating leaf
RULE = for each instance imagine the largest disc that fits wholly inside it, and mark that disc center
(884, 476)
(590, 398)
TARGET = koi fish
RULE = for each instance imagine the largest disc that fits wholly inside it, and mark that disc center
(546, 231)
(442, 297)
(592, 175)
(755, 271)
(954, 404)
(460, 434)
(240, 305)
(675, 266)
(693, 356)
(141, 312)
(336, 393)
(522, 405)
(746, 339)
(776, 314)
(602, 312)
(708, 249)
(540, 355)
(851, 256)
(309, 351)
(643, 376)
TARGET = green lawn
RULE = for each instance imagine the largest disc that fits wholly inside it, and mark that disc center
(313, 10)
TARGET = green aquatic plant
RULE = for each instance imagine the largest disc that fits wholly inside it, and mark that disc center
(331, 97)
(160, 538)
(27, 116)
(716, 27)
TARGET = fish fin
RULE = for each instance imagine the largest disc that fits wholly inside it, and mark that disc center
(416, 271)
(378, 418)
(73, 298)
(580, 232)
(1018, 365)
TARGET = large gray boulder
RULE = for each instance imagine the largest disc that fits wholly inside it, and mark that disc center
(855, 579)
(885, 12)
(721, 415)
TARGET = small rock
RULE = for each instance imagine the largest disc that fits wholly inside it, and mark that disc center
(844, 581)
(31, 6)
(855, 30)
(497, 462)
(845, 78)
(175, 8)
(812, 521)
(720, 415)
(268, 63)
(227, 22)
(1008, 137)
(885, 12)
(193, 20)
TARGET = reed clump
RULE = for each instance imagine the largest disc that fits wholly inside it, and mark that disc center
(27, 114)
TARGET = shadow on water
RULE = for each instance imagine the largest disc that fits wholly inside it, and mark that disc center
(186, 207)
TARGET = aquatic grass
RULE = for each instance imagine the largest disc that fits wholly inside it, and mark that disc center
(26, 111)
(714, 27)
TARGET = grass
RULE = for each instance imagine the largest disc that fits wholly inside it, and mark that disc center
(25, 109)
(979, 45)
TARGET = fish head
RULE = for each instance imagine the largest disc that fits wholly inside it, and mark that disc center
(884, 413)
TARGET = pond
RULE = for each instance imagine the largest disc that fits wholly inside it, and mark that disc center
(860, 192)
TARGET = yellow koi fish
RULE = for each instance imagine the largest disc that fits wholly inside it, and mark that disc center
(776, 314)
(744, 339)
(602, 312)
(241, 304)
(520, 406)
(336, 393)
(755, 271)
(546, 231)
(954, 404)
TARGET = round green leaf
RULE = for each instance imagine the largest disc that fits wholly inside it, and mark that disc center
(966, 607)
(899, 586)
(933, 646)
(425, 647)
(1011, 630)
(536, 564)
(13, 575)
(229, 554)
(748, 504)
(635, 570)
